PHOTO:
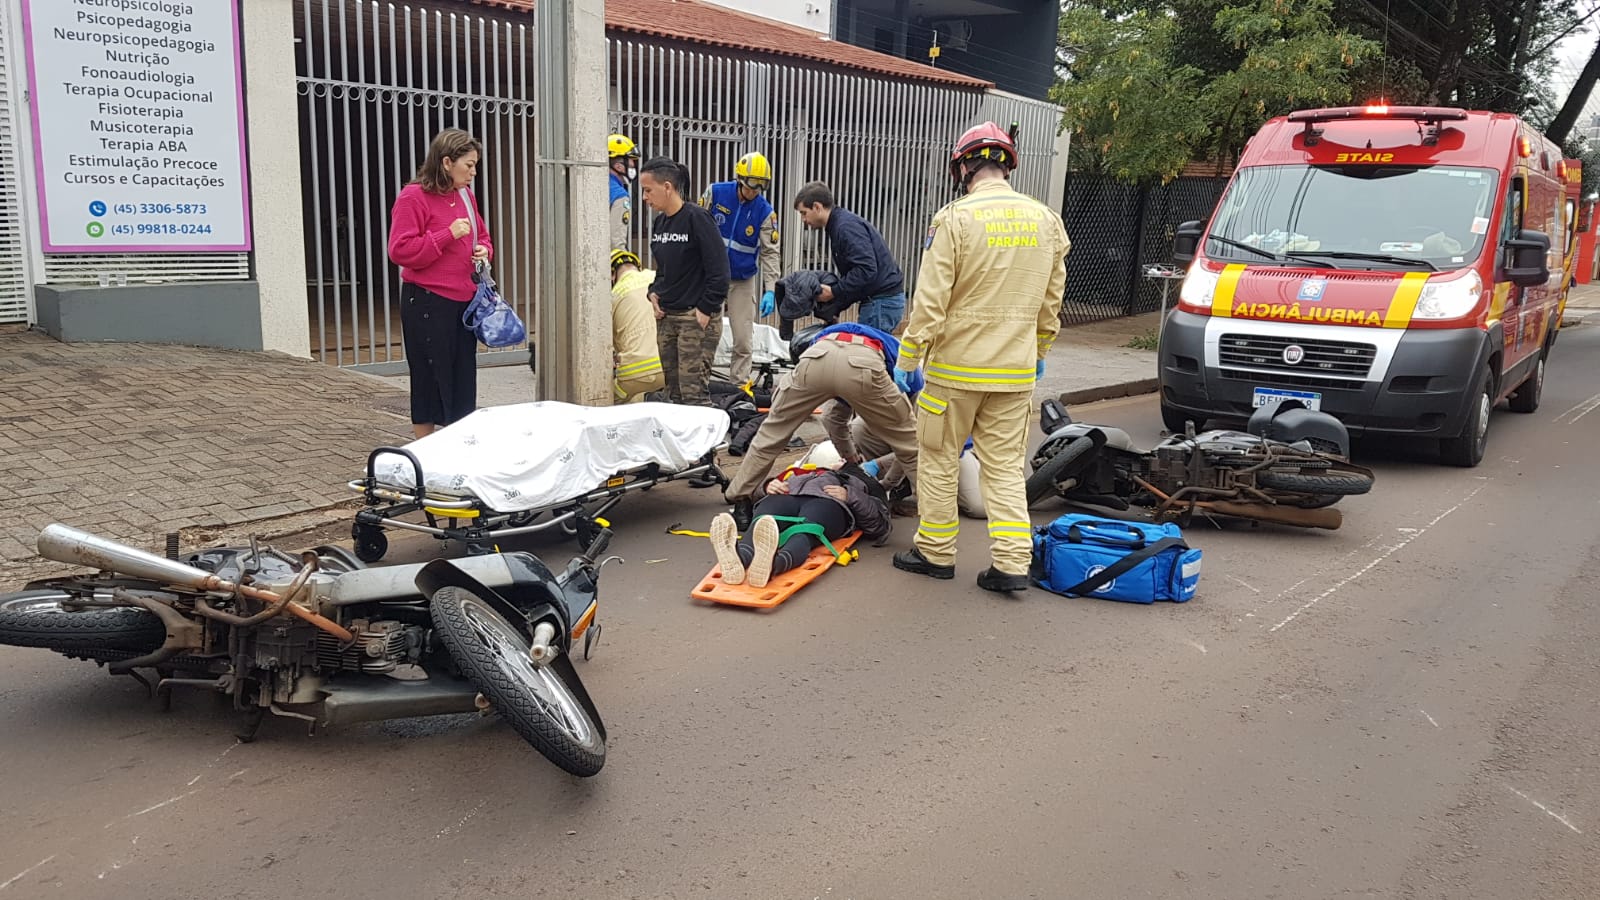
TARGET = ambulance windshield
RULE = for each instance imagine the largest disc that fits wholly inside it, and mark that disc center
(1356, 216)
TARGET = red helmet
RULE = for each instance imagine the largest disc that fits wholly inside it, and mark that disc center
(987, 141)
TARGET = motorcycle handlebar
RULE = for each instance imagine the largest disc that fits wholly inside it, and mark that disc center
(598, 545)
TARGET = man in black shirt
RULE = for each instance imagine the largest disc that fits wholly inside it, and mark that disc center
(868, 274)
(691, 281)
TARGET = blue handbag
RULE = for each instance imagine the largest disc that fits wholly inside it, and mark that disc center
(490, 318)
(1109, 559)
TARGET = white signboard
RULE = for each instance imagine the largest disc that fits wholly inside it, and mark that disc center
(138, 125)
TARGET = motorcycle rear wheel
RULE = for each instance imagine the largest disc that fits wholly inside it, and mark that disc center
(1342, 484)
(540, 706)
(38, 618)
(1042, 483)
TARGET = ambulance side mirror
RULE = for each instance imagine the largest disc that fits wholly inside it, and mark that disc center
(1526, 258)
(1186, 241)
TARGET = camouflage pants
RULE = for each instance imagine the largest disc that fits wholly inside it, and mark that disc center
(686, 354)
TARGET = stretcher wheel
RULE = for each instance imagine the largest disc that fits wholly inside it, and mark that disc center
(371, 543)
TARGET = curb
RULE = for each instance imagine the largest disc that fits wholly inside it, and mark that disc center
(1109, 391)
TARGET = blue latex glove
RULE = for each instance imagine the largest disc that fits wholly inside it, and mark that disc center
(870, 467)
(902, 380)
(769, 303)
(1038, 371)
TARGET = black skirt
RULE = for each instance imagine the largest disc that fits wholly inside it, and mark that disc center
(442, 355)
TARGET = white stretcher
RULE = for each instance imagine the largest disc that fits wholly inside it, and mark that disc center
(496, 472)
(769, 353)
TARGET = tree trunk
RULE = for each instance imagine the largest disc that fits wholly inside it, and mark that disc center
(1562, 124)
(1452, 52)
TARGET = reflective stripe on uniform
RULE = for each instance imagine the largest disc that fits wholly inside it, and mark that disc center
(740, 248)
(642, 367)
(981, 375)
(910, 349)
(1046, 341)
(932, 404)
(938, 529)
(616, 387)
(1010, 529)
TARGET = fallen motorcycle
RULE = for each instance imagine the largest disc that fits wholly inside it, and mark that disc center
(1289, 467)
(323, 639)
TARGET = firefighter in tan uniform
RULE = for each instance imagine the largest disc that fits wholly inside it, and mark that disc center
(986, 311)
(633, 329)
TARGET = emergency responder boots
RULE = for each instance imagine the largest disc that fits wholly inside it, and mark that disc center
(913, 561)
(744, 510)
(992, 579)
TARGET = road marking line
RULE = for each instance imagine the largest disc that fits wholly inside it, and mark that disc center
(1429, 718)
(1582, 409)
(1197, 645)
(1545, 809)
(1381, 557)
(13, 879)
(167, 802)
(1241, 581)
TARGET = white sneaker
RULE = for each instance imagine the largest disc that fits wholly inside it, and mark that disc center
(724, 540)
(764, 534)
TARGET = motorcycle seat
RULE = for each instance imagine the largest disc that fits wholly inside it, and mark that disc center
(400, 582)
(1117, 439)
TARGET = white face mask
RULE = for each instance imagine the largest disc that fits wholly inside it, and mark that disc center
(633, 174)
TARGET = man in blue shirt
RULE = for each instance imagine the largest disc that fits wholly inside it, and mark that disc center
(750, 230)
(851, 362)
(868, 275)
(624, 161)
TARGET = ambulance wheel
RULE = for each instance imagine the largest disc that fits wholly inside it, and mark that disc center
(1175, 420)
(371, 543)
(1467, 448)
(1526, 398)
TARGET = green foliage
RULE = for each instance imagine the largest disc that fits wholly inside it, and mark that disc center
(1149, 89)
(1146, 341)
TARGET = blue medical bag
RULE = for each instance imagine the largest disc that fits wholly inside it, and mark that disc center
(1135, 562)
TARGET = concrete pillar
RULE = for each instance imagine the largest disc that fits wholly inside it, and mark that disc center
(276, 213)
(574, 314)
(1057, 190)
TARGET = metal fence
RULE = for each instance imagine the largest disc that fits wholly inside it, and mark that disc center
(1118, 231)
(377, 81)
(882, 145)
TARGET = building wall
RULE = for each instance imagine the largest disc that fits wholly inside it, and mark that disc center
(1016, 50)
(816, 15)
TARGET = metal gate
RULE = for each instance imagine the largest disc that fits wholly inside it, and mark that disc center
(14, 293)
(881, 144)
(377, 81)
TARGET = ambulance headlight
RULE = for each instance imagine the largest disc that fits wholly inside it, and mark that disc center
(1199, 286)
(1450, 299)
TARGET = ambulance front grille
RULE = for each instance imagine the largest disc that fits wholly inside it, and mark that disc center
(1315, 358)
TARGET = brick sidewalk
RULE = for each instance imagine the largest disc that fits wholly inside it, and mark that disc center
(135, 440)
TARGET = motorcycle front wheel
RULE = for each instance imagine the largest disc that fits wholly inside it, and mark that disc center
(538, 703)
(1333, 484)
(1042, 483)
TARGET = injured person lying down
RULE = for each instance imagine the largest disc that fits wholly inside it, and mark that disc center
(808, 506)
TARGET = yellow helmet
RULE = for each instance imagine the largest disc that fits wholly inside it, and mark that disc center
(621, 145)
(618, 257)
(753, 171)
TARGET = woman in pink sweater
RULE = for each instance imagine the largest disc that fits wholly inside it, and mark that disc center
(431, 240)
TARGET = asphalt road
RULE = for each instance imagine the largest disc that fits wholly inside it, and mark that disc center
(1407, 707)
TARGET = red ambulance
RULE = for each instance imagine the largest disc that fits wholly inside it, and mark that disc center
(1401, 268)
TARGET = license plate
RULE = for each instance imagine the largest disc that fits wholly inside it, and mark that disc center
(1270, 396)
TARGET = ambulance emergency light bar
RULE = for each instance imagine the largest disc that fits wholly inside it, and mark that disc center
(1426, 117)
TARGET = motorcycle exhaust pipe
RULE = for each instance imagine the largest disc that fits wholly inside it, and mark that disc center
(1327, 517)
(69, 545)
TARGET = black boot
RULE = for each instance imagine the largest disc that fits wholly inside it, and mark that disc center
(913, 561)
(992, 579)
(743, 513)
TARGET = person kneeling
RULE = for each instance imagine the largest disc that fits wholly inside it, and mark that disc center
(802, 510)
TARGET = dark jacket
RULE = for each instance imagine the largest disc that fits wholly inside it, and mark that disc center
(866, 268)
(796, 292)
(868, 508)
(691, 262)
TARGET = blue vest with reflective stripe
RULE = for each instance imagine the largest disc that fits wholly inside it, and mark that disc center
(619, 190)
(740, 224)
